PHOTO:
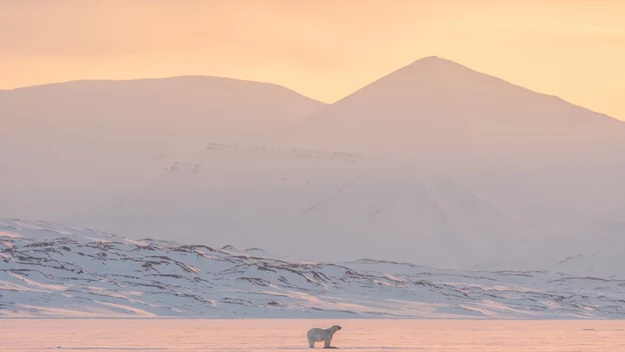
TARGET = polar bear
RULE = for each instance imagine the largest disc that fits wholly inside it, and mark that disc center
(325, 335)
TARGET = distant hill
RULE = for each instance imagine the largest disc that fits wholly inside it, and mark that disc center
(68, 146)
(175, 110)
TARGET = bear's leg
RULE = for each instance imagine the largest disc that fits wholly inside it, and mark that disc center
(311, 343)
(326, 342)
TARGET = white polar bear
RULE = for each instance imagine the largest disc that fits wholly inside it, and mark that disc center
(325, 335)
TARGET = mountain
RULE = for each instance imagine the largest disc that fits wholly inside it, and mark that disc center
(50, 270)
(167, 111)
(504, 169)
(85, 141)
(434, 164)
(435, 110)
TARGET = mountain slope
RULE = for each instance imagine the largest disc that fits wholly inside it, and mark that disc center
(56, 271)
(344, 206)
(275, 198)
(85, 141)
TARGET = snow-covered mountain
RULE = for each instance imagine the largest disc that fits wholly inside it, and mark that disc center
(162, 112)
(50, 270)
(434, 163)
(437, 111)
(89, 141)
(502, 163)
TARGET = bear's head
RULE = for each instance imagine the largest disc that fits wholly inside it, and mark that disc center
(336, 328)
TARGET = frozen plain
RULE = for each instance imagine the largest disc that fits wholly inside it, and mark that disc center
(21, 335)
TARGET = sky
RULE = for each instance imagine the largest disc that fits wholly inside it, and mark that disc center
(323, 49)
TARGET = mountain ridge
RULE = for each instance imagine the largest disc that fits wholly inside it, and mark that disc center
(154, 79)
(437, 60)
(416, 61)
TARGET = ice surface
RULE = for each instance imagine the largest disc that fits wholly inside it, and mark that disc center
(179, 335)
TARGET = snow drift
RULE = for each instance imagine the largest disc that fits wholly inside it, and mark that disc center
(50, 270)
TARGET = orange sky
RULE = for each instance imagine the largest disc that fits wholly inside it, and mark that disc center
(323, 49)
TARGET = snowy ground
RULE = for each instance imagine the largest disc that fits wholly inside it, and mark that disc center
(289, 335)
(48, 270)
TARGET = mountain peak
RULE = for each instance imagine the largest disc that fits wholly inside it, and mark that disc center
(426, 74)
(430, 62)
(434, 59)
(435, 104)
(442, 70)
